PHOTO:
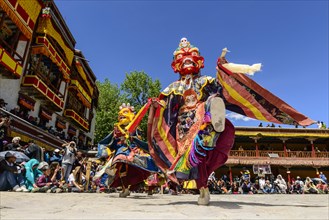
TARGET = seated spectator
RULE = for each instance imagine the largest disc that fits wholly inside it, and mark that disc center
(16, 111)
(45, 181)
(31, 175)
(4, 124)
(323, 177)
(246, 187)
(33, 151)
(14, 145)
(57, 157)
(261, 181)
(76, 180)
(33, 120)
(46, 156)
(256, 187)
(11, 177)
(268, 189)
(309, 187)
(322, 187)
(55, 173)
(281, 184)
(3, 104)
(235, 188)
(223, 186)
(298, 186)
(80, 160)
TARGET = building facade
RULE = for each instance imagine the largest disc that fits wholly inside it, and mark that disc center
(47, 84)
(290, 152)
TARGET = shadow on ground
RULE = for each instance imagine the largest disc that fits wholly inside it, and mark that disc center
(237, 205)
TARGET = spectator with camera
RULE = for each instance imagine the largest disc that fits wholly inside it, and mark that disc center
(268, 189)
(68, 159)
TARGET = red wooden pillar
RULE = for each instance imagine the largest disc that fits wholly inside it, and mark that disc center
(313, 151)
(285, 148)
(257, 151)
(288, 173)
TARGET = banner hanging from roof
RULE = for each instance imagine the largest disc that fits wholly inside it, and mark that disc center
(84, 76)
(47, 28)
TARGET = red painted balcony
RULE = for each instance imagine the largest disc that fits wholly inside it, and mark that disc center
(36, 83)
(70, 113)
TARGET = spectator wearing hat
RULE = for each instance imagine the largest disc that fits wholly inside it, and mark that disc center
(45, 182)
(57, 157)
(10, 174)
(31, 174)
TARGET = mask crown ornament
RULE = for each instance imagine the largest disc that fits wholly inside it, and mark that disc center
(187, 59)
(126, 114)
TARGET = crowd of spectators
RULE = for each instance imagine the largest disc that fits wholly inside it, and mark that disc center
(62, 171)
(267, 184)
(66, 170)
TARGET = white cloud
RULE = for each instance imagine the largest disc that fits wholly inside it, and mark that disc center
(235, 116)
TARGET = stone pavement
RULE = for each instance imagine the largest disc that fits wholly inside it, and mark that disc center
(140, 206)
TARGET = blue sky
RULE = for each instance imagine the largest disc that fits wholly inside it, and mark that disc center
(290, 39)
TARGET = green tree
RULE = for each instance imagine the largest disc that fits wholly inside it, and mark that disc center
(110, 98)
(137, 88)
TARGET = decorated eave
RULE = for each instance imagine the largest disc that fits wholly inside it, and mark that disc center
(70, 113)
(54, 26)
(61, 24)
(85, 71)
(23, 13)
(282, 132)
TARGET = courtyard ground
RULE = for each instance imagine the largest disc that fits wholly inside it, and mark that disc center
(140, 206)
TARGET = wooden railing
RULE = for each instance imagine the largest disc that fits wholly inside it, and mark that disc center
(291, 154)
